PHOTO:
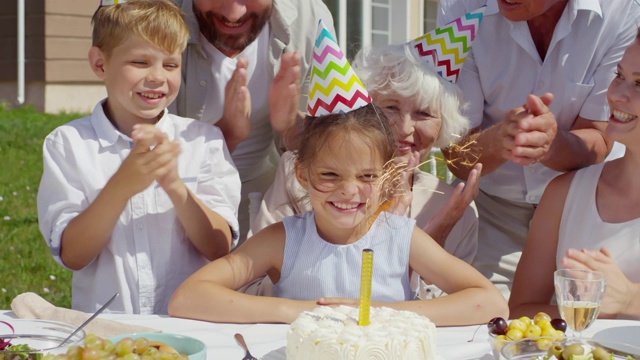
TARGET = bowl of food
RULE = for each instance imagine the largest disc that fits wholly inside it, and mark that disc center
(570, 349)
(152, 343)
(540, 329)
(29, 339)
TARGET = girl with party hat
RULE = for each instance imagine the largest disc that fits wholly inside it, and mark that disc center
(415, 86)
(344, 160)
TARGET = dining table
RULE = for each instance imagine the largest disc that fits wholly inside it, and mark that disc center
(268, 341)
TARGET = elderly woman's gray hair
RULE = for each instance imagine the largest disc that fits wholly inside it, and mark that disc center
(392, 69)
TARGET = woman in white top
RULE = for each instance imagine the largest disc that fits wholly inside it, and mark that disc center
(590, 218)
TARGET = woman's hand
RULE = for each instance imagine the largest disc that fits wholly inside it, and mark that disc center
(619, 292)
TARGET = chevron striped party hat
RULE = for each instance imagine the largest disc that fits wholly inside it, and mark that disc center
(446, 48)
(334, 86)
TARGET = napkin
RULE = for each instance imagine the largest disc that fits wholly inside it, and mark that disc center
(32, 306)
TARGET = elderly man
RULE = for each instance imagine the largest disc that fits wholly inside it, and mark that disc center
(536, 82)
(245, 67)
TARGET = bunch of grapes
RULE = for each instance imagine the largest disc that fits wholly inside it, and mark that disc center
(541, 326)
(96, 348)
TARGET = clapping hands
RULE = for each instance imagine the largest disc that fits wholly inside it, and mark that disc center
(527, 132)
(153, 157)
(236, 118)
(285, 93)
(283, 100)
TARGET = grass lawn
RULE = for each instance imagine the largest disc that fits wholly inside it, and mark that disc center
(25, 261)
(26, 265)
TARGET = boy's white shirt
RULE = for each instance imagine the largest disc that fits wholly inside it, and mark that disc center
(148, 254)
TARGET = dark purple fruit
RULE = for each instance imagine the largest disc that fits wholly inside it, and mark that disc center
(497, 326)
(559, 324)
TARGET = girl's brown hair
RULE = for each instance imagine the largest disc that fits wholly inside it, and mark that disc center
(367, 123)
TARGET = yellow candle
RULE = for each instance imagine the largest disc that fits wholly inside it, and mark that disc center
(365, 287)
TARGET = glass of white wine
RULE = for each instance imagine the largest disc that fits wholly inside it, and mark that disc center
(579, 294)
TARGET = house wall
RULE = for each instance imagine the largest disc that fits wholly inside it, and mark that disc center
(57, 39)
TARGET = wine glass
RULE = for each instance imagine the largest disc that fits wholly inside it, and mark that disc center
(579, 294)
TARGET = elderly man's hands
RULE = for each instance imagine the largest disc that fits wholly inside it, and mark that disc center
(528, 132)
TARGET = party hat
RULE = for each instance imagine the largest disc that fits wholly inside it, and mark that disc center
(111, 2)
(334, 86)
(446, 48)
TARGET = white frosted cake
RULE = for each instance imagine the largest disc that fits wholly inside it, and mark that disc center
(333, 334)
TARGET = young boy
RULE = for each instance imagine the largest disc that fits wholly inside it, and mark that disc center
(134, 199)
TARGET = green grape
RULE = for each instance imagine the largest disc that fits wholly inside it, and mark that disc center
(124, 347)
(166, 356)
(94, 343)
(48, 357)
(75, 352)
(91, 354)
(151, 351)
(89, 338)
(131, 356)
(140, 345)
(108, 346)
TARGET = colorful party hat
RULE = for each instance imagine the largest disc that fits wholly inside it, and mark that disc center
(446, 48)
(111, 2)
(334, 86)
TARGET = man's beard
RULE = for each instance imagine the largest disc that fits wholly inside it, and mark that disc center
(226, 42)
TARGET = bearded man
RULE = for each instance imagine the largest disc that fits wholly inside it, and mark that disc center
(244, 69)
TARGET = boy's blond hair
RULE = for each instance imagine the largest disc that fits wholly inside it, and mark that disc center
(160, 22)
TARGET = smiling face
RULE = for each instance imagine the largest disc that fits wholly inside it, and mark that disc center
(624, 98)
(415, 128)
(343, 182)
(231, 25)
(141, 81)
(525, 10)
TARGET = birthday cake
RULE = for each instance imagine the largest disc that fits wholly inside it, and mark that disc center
(333, 333)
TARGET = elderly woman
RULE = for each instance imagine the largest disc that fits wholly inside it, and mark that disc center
(424, 111)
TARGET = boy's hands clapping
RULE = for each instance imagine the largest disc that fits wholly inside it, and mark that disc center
(153, 157)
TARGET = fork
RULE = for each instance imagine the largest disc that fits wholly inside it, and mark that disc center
(247, 354)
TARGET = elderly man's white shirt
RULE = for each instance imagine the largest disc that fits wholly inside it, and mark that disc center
(148, 254)
(504, 66)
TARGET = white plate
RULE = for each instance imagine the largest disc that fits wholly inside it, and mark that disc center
(622, 334)
(278, 354)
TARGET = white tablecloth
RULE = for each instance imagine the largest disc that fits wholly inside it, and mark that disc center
(267, 341)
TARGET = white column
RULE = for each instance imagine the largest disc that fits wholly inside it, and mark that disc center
(342, 24)
(400, 21)
(366, 24)
(21, 57)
